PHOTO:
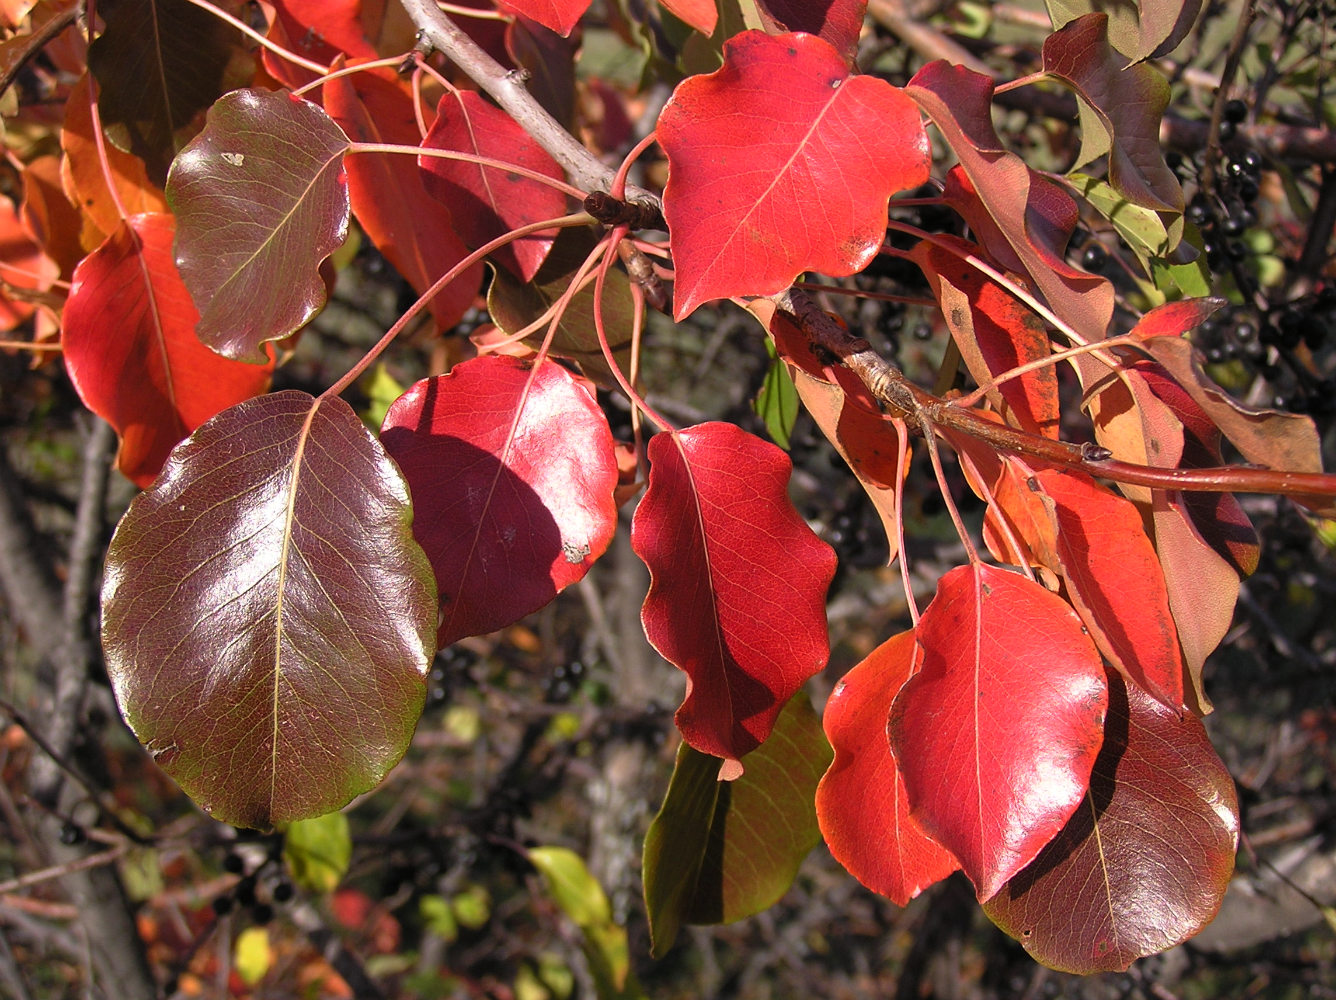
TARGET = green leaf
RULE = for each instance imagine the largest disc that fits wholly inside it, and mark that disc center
(381, 389)
(719, 851)
(261, 199)
(317, 851)
(267, 617)
(252, 954)
(1148, 232)
(473, 907)
(777, 402)
(581, 898)
(439, 917)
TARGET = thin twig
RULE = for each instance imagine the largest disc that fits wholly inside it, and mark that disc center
(61, 870)
(37, 41)
(507, 89)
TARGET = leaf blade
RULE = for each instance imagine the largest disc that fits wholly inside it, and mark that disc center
(261, 199)
(748, 144)
(738, 582)
(234, 584)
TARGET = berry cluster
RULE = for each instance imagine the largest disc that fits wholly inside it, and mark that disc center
(1273, 343)
(1225, 217)
(249, 889)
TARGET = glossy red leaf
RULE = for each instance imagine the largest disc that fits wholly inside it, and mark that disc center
(995, 333)
(267, 617)
(738, 582)
(996, 734)
(512, 473)
(840, 22)
(861, 802)
(1115, 581)
(1022, 217)
(781, 162)
(132, 353)
(560, 15)
(414, 231)
(486, 202)
(1144, 862)
(261, 199)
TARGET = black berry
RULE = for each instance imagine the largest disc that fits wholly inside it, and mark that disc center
(71, 834)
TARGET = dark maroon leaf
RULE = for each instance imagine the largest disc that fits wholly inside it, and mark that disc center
(267, 617)
(1121, 108)
(261, 199)
(158, 64)
(1144, 862)
(839, 22)
(512, 472)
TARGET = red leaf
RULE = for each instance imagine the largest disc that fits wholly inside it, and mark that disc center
(1115, 581)
(781, 162)
(318, 30)
(849, 418)
(559, 15)
(1021, 209)
(1203, 586)
(702, 15)
(996, 734)
(1265, 437)
(23, 266)
(861, 802)
(1144, 862)
(1175, 318)
(738, 582)
(839, 22)
(132, 353)
(512, 472)
(414, 231)
(485, 202)
(995, 333)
